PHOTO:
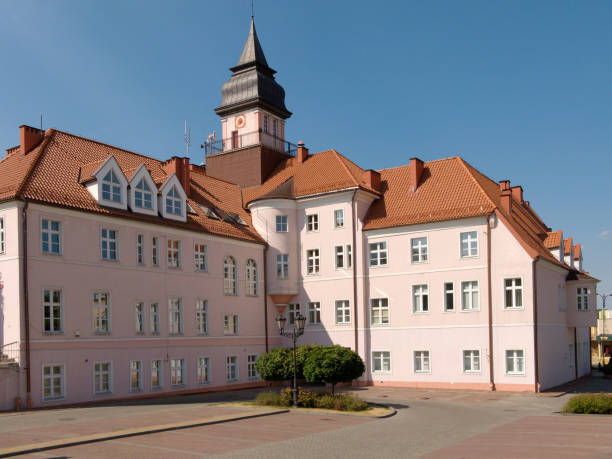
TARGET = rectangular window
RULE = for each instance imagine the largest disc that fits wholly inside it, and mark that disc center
(174, 253)
(312, 223)
(282, 225)
(314, 313)
(175, 316)
(140, 316)
(381, 362)
(513, 297)
(294, 311)
(154, 317)
(203, 370)
(582, 298)
(420, 298)
(50, 233)
(108, 244)
(449, 296)
(2, 237)
(155, 251)
(419, 249)
(103, 377)
(202, 317)
(343, 312)
(471, 361)
(251, 370)
(156, 374)
(53, 382)
(140, 249)
(469, 296)
(312, 261)
(230, 324)
(378, 254)
(135, 375)
(282, 266)
(52, 311)
(101, 312)
(199, 257)
(379, 308)
(275, 128)
(251, 278)
(339, 218)
(515, 362)
(342, 256)
(469, 244)
(177, 372)
(266, 122)
(231, 368)
(349, 256)
(422, 363)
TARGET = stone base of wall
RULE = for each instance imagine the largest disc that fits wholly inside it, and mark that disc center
(448, 385)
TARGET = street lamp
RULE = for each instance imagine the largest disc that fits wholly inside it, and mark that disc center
(297, 331)
(603, 297)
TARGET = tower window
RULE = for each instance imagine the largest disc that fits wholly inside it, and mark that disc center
(266, 123)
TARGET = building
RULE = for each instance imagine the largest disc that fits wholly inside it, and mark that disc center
(601, 338)
(125, 276)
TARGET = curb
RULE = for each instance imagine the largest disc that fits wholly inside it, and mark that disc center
(45, 446)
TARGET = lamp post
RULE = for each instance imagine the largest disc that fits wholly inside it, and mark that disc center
(296, 332)
(603, 297)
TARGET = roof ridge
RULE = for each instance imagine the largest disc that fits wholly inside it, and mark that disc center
(465, 165)
(424, 162)
(345, 167)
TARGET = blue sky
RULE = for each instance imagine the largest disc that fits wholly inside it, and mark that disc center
(520, 89)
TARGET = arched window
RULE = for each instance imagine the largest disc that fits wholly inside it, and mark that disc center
(143, 197)
(251, 278)
(111, 188)
(174, 203)
(229, 276)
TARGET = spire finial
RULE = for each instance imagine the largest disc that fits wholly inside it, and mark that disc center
(252, 13)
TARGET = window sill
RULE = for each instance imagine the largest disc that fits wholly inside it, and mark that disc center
(449, 310)
(420, 313)
(470, 310)
(344, 324)
(51, 333)
(514, 309)
(231, 380)
(230, 294)
(423, 262)
(379, 266)
(423, 372)
(251, 296)
(380, 325)
(176, 334)
(465, 372)
(101, 333)
(50, 254)
(135, 390)
(515, 374)
(108, 260)
(201, 271)
(54, 399)
(469, 256)
(382, 372)
(101, 394)
(157, 388)
(202, 333)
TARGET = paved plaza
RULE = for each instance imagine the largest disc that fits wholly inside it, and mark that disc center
(428, 423)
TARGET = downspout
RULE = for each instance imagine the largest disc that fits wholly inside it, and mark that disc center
(535, 324)
(354, 264)
(576, 352)
(265, 264)
(490, 298)
(26, 309)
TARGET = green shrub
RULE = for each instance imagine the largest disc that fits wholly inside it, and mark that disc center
(270, 399)
(589, 404)
(287, 396)
(340, 402)
(332, 364)
(277, 365)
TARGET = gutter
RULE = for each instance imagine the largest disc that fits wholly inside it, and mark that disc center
(490, 299)
(354, 256)
(26, 308)
(265, 258)
(535, 324)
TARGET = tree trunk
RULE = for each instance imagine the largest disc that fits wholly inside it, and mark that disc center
(333, 389)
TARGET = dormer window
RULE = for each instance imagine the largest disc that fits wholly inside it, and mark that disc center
(174, 202)
(143, 197)
(111, 188)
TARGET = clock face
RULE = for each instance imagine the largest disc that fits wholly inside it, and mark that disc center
(240, 121)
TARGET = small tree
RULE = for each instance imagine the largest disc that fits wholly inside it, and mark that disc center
(332, 364)
(277, 365)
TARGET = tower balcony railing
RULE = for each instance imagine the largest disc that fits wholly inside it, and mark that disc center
(217, 146)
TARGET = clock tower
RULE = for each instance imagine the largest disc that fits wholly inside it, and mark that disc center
(253, 115)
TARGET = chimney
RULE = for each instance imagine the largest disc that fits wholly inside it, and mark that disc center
(372, 179)
(30, 137)
(504, 185)
(302, 152)
(506, 200)
(179, 167)
(517, 192)
(416, 170)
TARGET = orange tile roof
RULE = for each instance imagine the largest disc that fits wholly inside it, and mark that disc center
(52, 174)
(577, 251)
(567, 245)
(553, 239)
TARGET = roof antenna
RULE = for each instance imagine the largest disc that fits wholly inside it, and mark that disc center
(41, 122)
(187, 138)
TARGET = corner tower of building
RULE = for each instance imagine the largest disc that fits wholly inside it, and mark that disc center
(253, 115)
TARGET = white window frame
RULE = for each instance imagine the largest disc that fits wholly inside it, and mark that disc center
(313, 262)
(513, 288)
(178, 371)
(312, 223)
(469, 240)
(381, 356)
(97, 189)
(157, 368)
(111, 181)
(474, 356)
(201, 317)
(251, 370)
(98, 374)
(175, 316)
(418, 355)
(344, 308)
(582, 298)
(231, 368)
(200, 257)
(108, 241)
(231, 325)
(516, 359)
(282, 266)
(51, 304)
(230, 276)
(2, 236)
(97, 321)
(173, 254)
(142, 175)
(470, 307)
(203, 370)
(62, 378)
(422, 250)
(282, 224)
(173, 202)
(144, 194)
(49, 232)
(293, 309)
(136, 370)
(338, 222)
(154, 316)
(379, 306)
(251, 278)
(343, 255)
(446, 291)
(378, 254)
(140, 248)
(155, 251)
(314, 313)
(420, 296)
(173, 183)
(139, 317)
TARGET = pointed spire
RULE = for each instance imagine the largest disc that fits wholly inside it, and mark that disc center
(252, 51)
